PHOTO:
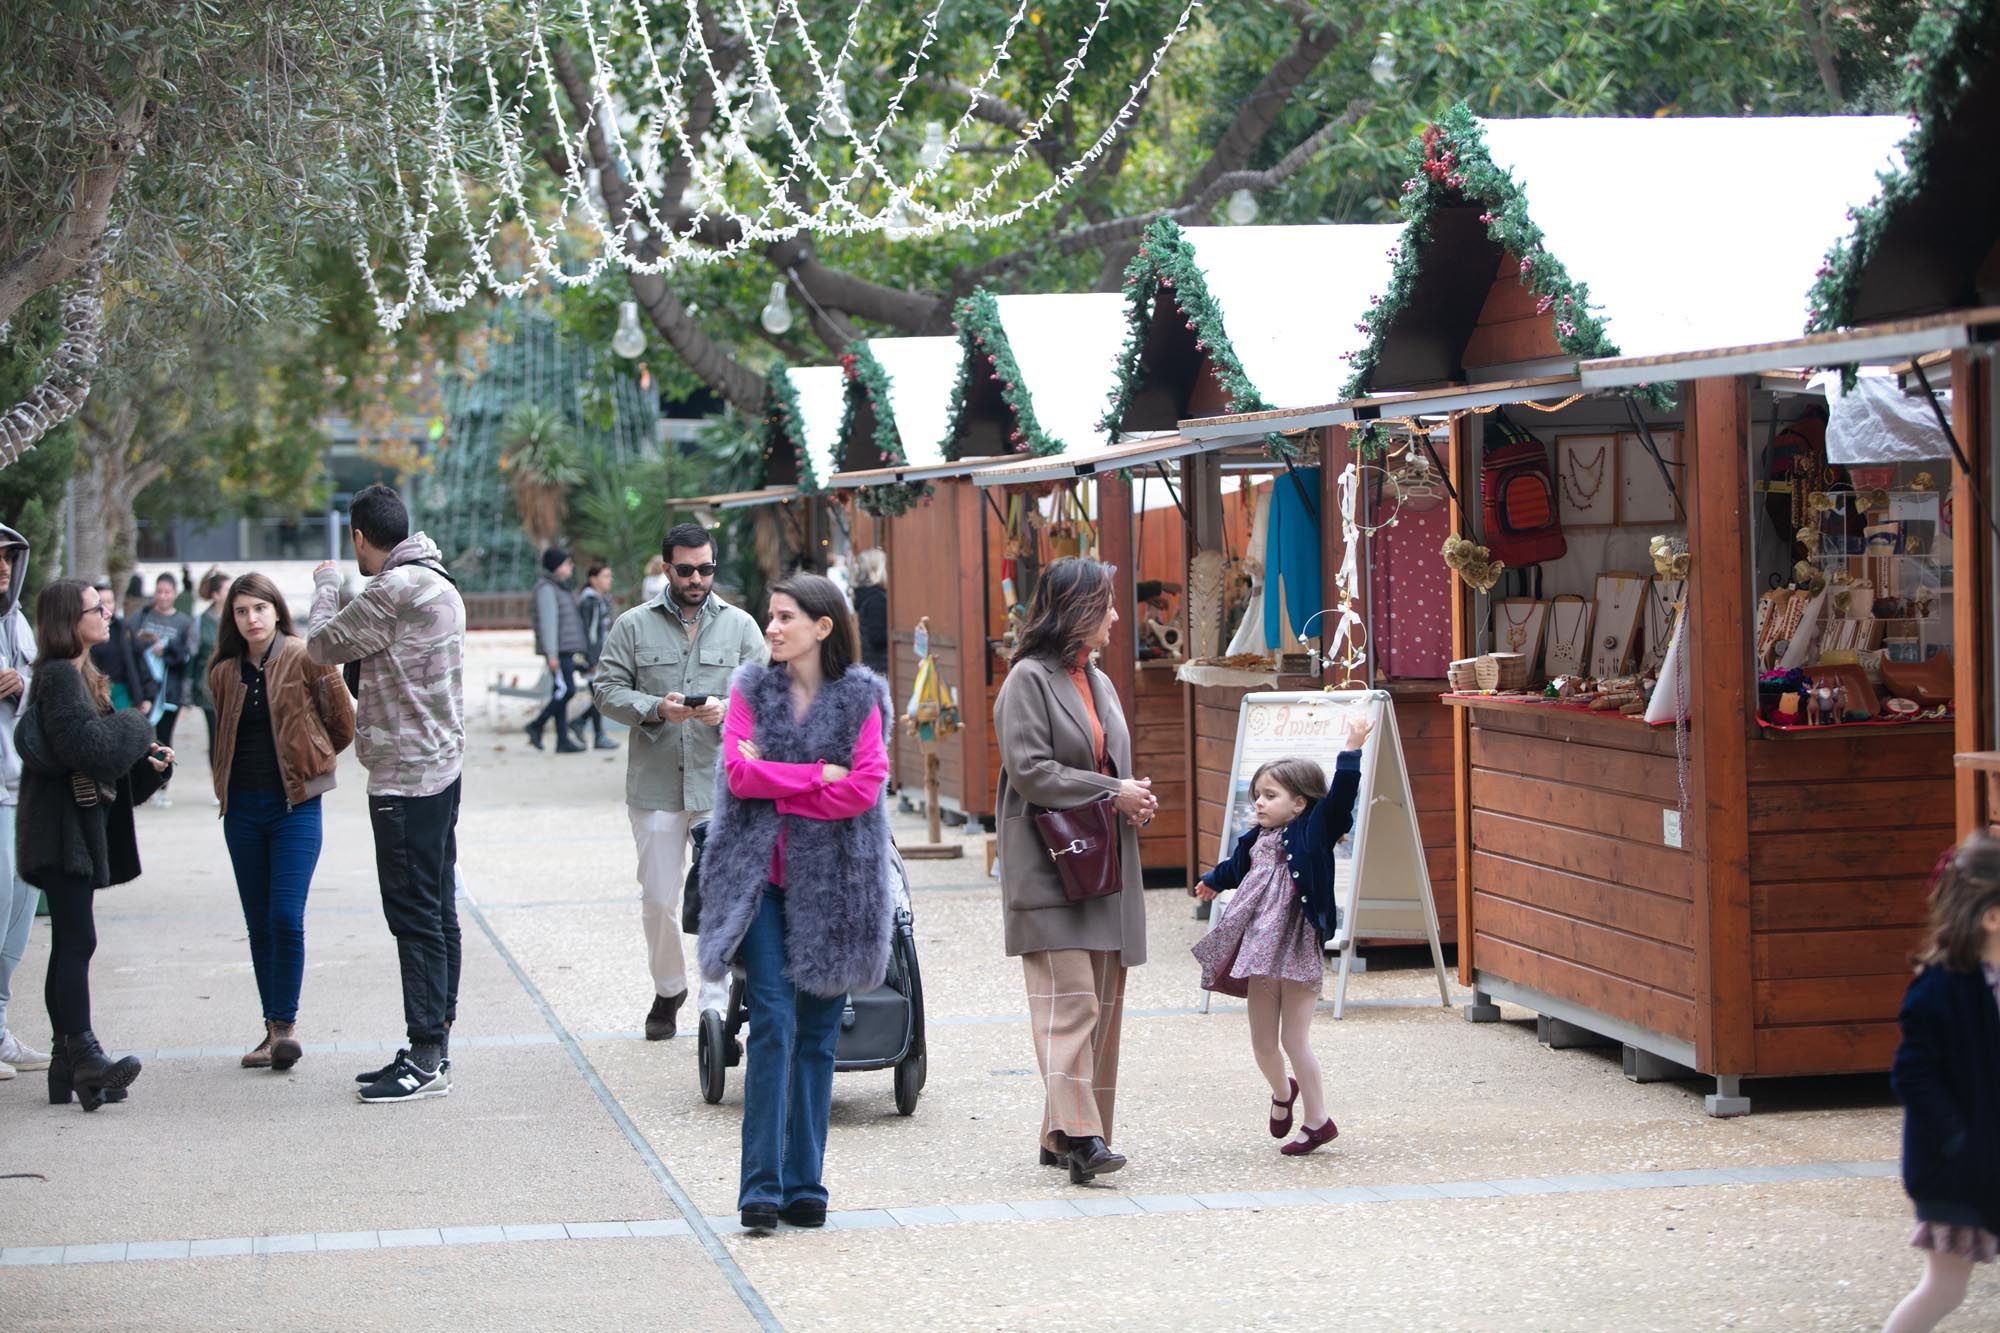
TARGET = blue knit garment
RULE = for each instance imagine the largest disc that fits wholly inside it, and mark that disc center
(1291, 557)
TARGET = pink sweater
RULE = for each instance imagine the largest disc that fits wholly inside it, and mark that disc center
(801, 790)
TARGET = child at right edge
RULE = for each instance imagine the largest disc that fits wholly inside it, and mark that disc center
(1947, 1075)
(1270, 946)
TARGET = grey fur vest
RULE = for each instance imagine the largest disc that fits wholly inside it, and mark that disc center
(838, 905)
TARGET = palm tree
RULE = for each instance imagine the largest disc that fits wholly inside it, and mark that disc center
(538, 454)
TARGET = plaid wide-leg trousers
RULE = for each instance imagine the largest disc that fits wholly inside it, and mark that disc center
(1076, 1005)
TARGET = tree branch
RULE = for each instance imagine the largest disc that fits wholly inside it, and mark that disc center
(1819, 22)
(1318, 38)
(1120, 230)
(65, 385)
(79, 236)
(994, 111)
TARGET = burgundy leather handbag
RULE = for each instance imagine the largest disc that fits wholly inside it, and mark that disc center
(1083, 842)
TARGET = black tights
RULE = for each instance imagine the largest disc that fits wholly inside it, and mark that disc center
(72, 940)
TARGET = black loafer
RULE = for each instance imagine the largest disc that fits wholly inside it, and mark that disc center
(760, 1217)
(804, 1213)
(1089, 1157)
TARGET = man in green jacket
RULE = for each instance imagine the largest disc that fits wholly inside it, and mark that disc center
(665, 674)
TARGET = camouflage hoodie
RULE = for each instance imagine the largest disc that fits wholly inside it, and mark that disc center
(406, 628)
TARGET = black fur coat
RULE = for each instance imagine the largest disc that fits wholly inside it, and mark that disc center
(58, 843)
(838, 905)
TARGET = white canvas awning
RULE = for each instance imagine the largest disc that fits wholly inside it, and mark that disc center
(922, 373)
(1696, 232)
(1291, 297)
(822, 395)
(1067, 348)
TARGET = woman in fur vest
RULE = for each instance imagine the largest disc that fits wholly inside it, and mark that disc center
(84, 766)
(1063, 744)
(795, 882)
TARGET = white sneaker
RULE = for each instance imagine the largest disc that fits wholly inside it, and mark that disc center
(6, 1071)
(15, 1052)
(161, 802)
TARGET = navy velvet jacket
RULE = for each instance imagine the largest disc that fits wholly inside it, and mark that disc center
(1947, 1075)
(1309, 841)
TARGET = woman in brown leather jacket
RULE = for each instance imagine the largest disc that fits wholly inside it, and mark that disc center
(280, 721)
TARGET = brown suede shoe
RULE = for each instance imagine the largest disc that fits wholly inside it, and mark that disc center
(260, 1058)
(285, 1048)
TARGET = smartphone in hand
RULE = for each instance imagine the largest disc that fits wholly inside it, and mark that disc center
(694, 701)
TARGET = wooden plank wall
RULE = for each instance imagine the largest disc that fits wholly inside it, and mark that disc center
(1574, 891)
(1159, 751)
(1510, 328)
(1844, 833)
(1425, 726)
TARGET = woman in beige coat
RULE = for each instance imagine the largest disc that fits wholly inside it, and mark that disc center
(1063, 743)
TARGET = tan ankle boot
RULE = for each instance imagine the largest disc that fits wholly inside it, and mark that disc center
(285, 1048)
(260, 1058)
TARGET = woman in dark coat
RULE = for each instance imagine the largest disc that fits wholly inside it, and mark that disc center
(1063, 744)
(84, 767)
(795, 883)
(871, 609)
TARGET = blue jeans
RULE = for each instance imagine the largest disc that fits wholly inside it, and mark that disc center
(788, 1088)
(274, 851)
(17, 912)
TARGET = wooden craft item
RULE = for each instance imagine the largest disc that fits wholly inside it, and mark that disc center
(1620, 599)
(1566, 650)
(1928, 682)
(1770, 613)
(1849, 681)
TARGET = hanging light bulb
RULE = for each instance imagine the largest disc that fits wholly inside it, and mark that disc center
(1242, 209)
(896, 221)
(777, 313)
(931, 155)
(630, 340)
(763, 117)
(833, 117)
(1382, 65)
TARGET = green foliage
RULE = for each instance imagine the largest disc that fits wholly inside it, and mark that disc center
(784, 431)
(1951, 45)
(868, 382)
(616, 513)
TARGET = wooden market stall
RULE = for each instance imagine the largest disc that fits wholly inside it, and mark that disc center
(1713, 891)
(1214, 331)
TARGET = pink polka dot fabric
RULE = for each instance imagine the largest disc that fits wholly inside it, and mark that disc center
(1410, 591)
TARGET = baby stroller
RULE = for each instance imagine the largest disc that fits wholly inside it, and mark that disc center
(881, 1029)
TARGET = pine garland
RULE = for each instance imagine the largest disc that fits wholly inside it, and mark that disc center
(1454, 170)
(977, 319)
(784, 427)
(868, 382)
(1951, 44)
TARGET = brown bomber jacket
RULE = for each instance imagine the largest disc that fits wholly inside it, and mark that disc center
(312, 719)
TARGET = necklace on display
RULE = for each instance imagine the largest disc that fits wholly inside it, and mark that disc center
(1517, 630)
(1663, 605)
(1579, 495)
(1566, 646)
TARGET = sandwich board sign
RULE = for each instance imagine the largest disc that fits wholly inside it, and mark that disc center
(1381, 882)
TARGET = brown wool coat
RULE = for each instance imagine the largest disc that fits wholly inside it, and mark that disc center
(312, 719)
(1047, 763)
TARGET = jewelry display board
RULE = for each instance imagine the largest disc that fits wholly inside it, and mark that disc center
(1518, 624)
(1663, 595)
(1587, 478)
(1568, 650)
(1642, 496)
(1621, 597)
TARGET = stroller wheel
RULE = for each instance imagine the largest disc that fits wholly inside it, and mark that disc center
(711, 1065)
(909, 1083)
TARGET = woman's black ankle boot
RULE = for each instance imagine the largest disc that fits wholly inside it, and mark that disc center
(80, 1065)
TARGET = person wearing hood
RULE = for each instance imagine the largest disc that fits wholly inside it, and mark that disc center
(17, 896)
(406, 629)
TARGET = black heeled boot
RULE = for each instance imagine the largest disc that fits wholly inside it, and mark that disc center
(80, 1065)
(1089, 1157)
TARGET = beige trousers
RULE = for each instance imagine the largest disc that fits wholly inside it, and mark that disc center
(662, 838)
(1076, 1005)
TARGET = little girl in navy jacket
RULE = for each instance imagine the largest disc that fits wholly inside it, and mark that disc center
(1269, 946)
(1947, 1075)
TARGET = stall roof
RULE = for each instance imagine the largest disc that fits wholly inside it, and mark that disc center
(1127, 454)
(822, 397)
(1242, 293)
(1635, 237)
(737, 499)
(1927, 241)
(1872, 344)
(921, 373)
(1065, 349)
(1212, 431)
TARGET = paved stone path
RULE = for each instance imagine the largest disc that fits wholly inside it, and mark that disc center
(575, 1178)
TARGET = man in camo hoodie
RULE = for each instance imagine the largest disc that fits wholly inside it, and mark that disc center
(406, 629)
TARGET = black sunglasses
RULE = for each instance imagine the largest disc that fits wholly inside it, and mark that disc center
(707, 571)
